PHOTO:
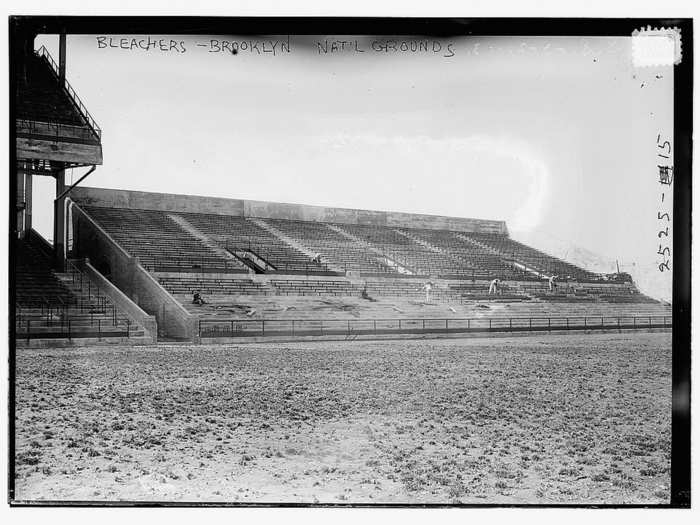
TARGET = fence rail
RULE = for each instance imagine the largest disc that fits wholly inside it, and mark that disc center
(87, 312)
(55, 131)
(212, 328)
(62, 328)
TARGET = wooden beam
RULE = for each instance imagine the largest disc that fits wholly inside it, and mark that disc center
(62, 57)
(85, 154)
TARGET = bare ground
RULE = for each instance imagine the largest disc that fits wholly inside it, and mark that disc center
(581, 418)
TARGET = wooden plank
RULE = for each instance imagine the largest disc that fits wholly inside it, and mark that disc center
(86, 154)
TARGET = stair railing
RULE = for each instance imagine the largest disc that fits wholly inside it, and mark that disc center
(43, 52)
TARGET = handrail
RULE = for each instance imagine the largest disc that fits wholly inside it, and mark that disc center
(94, 303)
(43, 52)
(55, 130)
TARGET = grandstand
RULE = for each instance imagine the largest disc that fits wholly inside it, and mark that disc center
(256, 265)
(124, 265)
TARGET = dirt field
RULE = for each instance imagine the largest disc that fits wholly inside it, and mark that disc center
(559, 418)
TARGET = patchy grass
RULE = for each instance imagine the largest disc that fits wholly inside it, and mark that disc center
(572, 418)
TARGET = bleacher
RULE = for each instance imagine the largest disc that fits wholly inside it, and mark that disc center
(37, 284)
(406, 252)
(66, 305)
(476, 262)
(305, 287)
(480, 290)
(159, 242)
(41, 98)
(533, 258)
(378, 251)
(242, 234)
(338, 249)
(211, 285)
(385, 270)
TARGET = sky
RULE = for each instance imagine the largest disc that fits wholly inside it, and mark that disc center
(555, 135)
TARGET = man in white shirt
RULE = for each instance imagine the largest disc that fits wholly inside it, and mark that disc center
(427, 287)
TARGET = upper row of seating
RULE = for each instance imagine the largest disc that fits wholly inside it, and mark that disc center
(161, 241)
(40, 97)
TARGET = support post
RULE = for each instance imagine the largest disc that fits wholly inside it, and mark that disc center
(59, 222)
(62, 57)
(28, 201)
(20, 204)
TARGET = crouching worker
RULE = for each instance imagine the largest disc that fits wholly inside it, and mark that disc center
(364, 294)
(197, 298)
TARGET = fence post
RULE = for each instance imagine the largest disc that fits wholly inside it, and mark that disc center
(263, 327)
(99, 330)
(489, 324)
(69, 334)
(292, 327)
(375, 327)
(29, 325)
(549, 324)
